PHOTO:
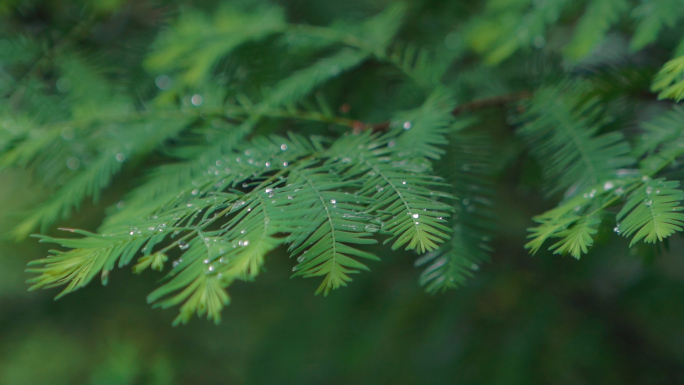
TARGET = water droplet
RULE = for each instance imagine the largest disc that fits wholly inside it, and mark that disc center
(183, 245)
(391, 143)
(211, 268)
(195, 192)
(608, 186)
(163, 82)
(416, 216)
(379, 188)
(619, 191)
(301, 259)
(649, 190)
(403, 182)
(645, 178)
(648, 202)
(295, 268)
(268, 190)
(616, 229)
(333, 201)
(592, 193)
(243, 243)
(407, 125)
(206, 261)
(120, 157)
(417, 223)
(73, 163)
(196, 100)
(120, 205)
(267, 164)
(285, 164)
(283, 147)
(371, 228)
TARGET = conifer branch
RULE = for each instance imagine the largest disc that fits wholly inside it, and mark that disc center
(223, 183)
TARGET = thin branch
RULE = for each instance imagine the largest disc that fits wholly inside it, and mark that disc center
(475, 105)
(497, 101)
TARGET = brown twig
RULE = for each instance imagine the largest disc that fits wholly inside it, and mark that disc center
(475, 105)
(497, 101)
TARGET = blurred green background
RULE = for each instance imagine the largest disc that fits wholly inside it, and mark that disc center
(611, 318)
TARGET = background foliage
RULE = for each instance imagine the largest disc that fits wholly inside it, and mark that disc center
(551, 110)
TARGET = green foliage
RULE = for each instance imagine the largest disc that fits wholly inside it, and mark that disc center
(652, 17)
(650, 207)
(651, 212)
(470, 167)
(194, 45)
(599, 16)
(670, 80)
(244, 132)
(508, 26)
(562, 125)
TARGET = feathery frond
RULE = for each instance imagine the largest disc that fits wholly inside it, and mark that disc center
(98, 173)
(651, 17)
(599, 16)
(512, 25)
(577, 217)
(426, 127)
(576, 239)
(194, 44)
(331, 223)
(302, 82)
(381, 149)
(468, 169)
(652, 212)
(661, 142)
(670, 80)
(562, 124)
